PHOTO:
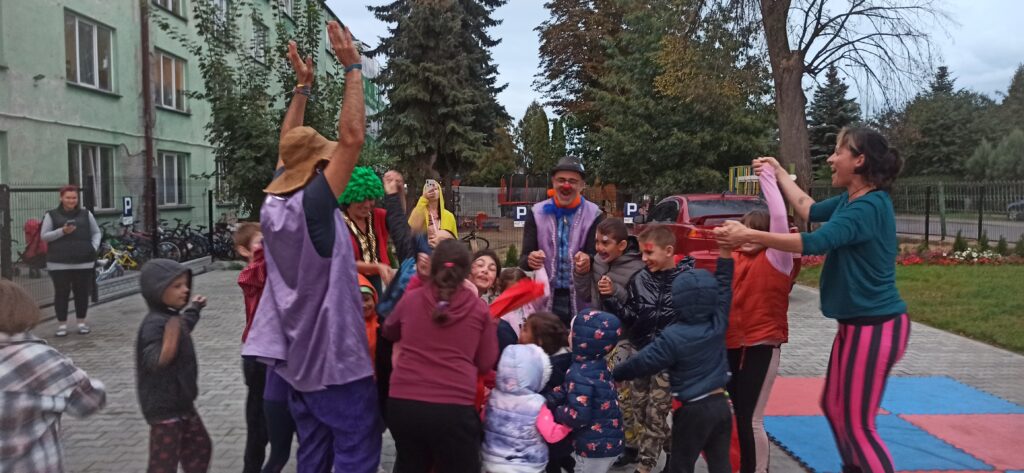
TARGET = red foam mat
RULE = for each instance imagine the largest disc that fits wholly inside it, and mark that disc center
(992, 438)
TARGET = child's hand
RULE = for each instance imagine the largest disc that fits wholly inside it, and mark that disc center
(536, 260)
(199, 301)
(605, 286)
(582, 261)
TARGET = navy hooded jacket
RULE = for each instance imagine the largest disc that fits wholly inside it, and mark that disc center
(587, 400)
(692, 348)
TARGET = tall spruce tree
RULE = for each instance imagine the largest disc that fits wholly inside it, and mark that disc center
(830, 111)
(941, 127)
(558, 144)
(535, 140)
(442, 109)
(1011, 110)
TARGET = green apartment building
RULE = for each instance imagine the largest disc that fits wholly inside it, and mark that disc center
(71, 102)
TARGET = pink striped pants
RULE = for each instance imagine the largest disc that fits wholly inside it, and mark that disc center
(862, 356)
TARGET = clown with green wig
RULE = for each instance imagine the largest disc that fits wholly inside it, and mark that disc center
(367, 226)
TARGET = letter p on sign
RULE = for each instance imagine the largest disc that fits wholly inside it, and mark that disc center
(520, 217)
(630, 212)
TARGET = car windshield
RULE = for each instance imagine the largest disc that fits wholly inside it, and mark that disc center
(703, 208)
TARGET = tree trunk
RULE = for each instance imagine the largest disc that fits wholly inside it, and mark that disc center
(790, 102)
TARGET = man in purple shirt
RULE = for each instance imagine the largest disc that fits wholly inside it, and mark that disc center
(309, 325)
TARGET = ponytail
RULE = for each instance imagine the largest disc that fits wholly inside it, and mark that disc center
(449, 267)
(882, 163)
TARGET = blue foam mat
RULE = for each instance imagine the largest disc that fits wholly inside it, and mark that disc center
(933, 395)
(810, 440)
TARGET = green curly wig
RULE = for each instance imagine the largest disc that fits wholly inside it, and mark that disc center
(364, 185)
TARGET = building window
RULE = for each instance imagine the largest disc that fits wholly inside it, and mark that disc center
(87, 52)
(170, 81)
(288, 7)
(174, 6)
(220, 19)
(223, 192)
(171, 176)
(92, 167)
(260, 35)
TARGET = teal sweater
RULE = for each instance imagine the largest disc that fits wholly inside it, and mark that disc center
(858, 278)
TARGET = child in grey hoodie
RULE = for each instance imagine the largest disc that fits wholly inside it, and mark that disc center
(167, 372)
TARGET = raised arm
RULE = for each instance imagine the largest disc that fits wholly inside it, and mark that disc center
(352, 122)
(296, 113)
(779, 260)
(796, 197)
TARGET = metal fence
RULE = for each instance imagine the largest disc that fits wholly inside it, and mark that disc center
(190, 202)
(941, 209)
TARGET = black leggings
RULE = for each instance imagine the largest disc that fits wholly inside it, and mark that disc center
(281, 428)
(66, 280)
(753, 374)
(255, 422)
(434, 437)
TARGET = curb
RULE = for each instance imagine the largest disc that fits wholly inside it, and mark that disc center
(128, 285)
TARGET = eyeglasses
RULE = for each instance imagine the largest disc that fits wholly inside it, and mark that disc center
(572, 182)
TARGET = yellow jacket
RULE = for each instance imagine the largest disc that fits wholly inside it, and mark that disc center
(421, 212)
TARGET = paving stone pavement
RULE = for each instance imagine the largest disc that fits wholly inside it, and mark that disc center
(116, 439)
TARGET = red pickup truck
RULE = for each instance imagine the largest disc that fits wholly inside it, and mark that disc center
(693, 216)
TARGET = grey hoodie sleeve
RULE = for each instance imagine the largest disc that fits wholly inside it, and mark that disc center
(190, 316)
(151, 339)
(585, 290)
(47, 232)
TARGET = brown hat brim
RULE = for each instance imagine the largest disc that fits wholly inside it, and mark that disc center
(302, 149)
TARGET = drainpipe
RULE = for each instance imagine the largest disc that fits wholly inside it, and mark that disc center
(149, 190)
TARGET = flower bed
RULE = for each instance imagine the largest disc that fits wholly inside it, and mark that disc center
(938, 258)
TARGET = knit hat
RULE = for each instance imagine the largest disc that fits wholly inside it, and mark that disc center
(301, 149)
(569, 163)
(363, 185)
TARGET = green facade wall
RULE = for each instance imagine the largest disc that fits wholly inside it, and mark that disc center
(41, 111)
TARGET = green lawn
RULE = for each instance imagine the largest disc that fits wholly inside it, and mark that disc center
(985, 303)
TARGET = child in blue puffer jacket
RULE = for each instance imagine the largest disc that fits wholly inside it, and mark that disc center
(588, 401)
(518, 425)
(692, 348)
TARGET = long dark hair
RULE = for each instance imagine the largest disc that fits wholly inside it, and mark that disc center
(449, 267)
(497, 265)
(882, 163)
(548, 331)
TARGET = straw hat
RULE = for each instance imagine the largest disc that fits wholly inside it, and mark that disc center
(302, 149)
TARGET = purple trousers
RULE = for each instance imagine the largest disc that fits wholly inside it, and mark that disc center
(339, 426)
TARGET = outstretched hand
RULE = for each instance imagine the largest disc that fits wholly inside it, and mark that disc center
(342, 44)
(303, 69)
(393, 182)
(731, 234)
(766, 161)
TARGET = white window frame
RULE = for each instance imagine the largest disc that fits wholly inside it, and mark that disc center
(96, 30)
(175, 195)
(101, 185)
(169, 6)
(288, 7)
(221, 9)
(159, 86)
(259, 48)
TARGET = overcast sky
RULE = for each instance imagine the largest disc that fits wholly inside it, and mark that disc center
(982, 49)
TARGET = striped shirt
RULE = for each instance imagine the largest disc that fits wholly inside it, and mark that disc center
(37, 386)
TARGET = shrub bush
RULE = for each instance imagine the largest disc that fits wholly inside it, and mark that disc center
(1002, 247)
(511, 257)
(960, 243)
